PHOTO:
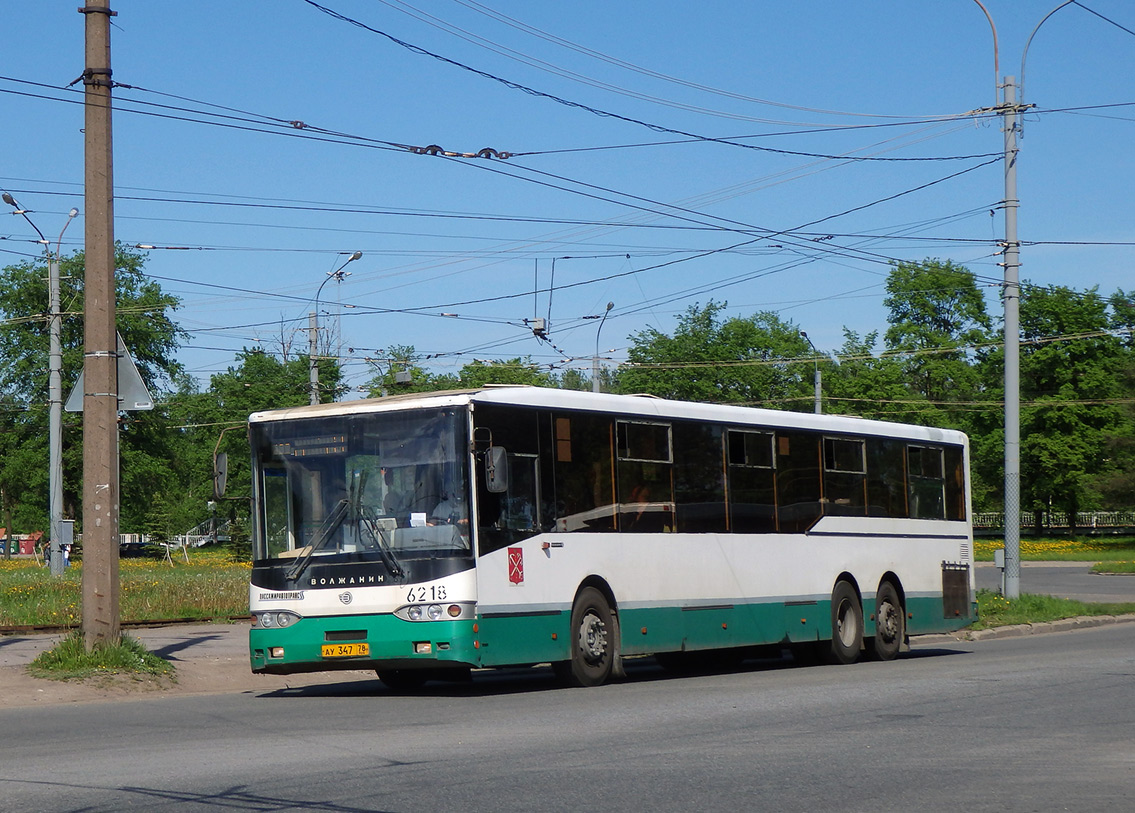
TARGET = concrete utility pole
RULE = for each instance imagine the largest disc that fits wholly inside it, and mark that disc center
(100, 348)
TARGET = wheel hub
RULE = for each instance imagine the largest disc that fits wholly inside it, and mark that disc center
(593, 638)
(888, 625)
(846, 622)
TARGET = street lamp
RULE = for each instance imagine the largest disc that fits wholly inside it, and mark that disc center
(313, 324)
(54, 388)
(595, 362)
(1009, 108)
(816, 379)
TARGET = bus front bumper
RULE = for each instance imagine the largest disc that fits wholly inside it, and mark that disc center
(363, 642)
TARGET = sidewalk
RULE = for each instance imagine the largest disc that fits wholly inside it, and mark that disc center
(209, 658)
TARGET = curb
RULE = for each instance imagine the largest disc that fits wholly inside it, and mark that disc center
(1021, 630)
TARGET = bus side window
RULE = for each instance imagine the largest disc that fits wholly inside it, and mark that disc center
(926, 482)
(798, 480)
(886, 480)
(584, 481)
(520, 505)
(955, 483)
(645, 472)
(845, 477)
(752, 482)
(699, 478)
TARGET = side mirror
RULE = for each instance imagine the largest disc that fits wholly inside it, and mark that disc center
(496, 469)
(220, 474)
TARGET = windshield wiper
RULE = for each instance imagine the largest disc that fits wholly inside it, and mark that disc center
(370, 521)
(362, 515)
(330, 524)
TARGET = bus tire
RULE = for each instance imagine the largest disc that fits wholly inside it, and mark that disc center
(847, 624)
(890, 623)
(593, 645)
(403, 680)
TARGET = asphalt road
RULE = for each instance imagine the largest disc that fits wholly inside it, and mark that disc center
(1042, 722)
(1063, 579)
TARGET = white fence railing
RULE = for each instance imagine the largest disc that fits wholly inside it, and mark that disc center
(1060, 519)
(193, 538)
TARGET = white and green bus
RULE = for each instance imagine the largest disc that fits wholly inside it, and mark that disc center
(426, 535)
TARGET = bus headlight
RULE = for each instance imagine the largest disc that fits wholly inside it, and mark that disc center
(274, 619)
(457, 611)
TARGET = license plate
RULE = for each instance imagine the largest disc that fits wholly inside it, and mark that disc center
(345, 650)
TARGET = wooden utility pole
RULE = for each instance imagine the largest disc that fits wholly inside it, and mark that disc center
(100, 356)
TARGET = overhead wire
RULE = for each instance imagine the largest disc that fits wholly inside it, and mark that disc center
(514, 23)
(658, 128)
(814, 154)
(543, 65)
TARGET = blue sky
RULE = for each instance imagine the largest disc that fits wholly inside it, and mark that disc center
(663, 154)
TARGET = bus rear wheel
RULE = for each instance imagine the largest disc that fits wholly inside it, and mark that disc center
(890, 624)
(847, 624)
(593, 633)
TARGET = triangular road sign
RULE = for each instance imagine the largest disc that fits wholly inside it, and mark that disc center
(133, 394)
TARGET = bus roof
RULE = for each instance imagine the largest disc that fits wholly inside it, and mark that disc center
(642, 406)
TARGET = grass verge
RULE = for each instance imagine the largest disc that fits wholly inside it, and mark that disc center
(1113, 567)
(69, 660)
(1066, 549)
(994, 610)
(211, 585)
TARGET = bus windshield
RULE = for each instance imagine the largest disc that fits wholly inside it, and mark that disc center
(385, 486)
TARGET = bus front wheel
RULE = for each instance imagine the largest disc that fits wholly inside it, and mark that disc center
(847, 624)
(593, 632)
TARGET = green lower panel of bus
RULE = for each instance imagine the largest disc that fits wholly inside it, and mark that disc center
(362, 642)
(673, 629)
(319, 644)
(536, 638)
(925, 616)
(510, 640)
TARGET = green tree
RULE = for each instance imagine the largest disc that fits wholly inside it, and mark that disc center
(1071, 382)
(759, 359)
(1116, 484)
(937, 315)
(572, 379)
(401, 372)
(144, 319)
(510, 371)
(865, 383)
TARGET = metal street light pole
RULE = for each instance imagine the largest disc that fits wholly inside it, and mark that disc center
(55, 389)
(818, 389)
(313, 326)
(595, 361)
(1008, 107)
(55, 412)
